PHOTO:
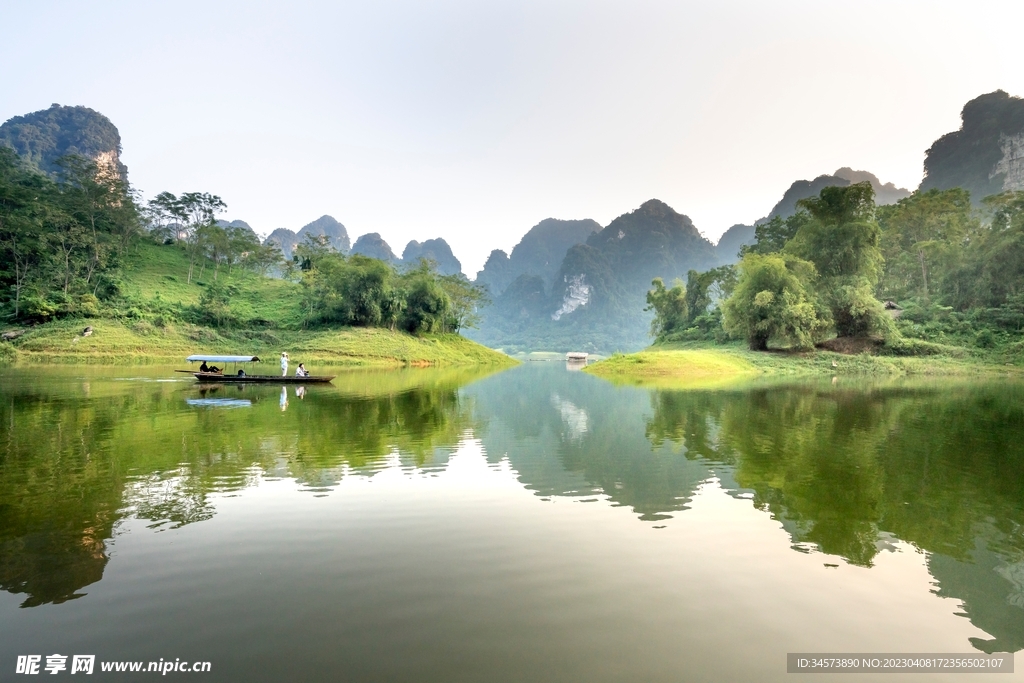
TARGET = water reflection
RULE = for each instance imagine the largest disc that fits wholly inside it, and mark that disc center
(80, 455)
(846, 470)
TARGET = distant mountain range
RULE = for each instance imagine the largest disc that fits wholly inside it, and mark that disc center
(370, 244)
(287, 240)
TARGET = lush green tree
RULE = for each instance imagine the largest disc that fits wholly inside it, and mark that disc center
(773, 235)
(428, 308)
(841, 239)
(215, 304)
(262, 258)
(705, 290)
(990, 273)
(21, 211)
(62, 240)
(671, 312)
(770, 302)
(466, 301)
(192, 218)
(923, 238)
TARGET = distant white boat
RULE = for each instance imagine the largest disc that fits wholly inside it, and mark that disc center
(577, 356)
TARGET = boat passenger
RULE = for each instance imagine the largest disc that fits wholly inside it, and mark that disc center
(241, 373)
(215, 369)
(301, 371)
(204, 367)
(284, 363)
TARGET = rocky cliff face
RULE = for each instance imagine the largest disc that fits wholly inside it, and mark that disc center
(596, 299)
(539, 253)
(985, 155)
(42, 137)
(1011, 165)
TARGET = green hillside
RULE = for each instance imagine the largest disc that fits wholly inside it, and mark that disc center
(153, 320)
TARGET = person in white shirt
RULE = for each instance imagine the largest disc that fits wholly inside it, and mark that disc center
(301, 371)
(284, 364)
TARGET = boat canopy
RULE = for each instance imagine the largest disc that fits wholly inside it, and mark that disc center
(222, 359)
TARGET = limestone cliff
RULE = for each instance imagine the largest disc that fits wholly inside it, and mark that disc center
(42, 137)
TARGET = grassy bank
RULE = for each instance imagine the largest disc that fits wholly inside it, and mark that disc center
(114, 341)
(691, 365)
(156, 316)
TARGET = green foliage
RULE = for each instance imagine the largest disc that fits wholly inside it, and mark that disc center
(923, 237)
(215, 304)
(770, 302)
(367, 292)
(773, 235)
(427, 305)
(191, 220)
(671, 312)
(841, 239)
(61, 239)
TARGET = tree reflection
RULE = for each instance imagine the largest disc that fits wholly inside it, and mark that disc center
(77, 457)
(937, 465)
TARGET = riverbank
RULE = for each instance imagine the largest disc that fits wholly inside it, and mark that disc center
(116, 342)
(689, 365)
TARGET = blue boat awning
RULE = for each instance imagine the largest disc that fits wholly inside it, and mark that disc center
(222, 359)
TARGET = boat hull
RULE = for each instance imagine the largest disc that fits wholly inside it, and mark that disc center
(265, 379)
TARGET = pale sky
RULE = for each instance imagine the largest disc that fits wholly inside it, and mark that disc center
(473, 121)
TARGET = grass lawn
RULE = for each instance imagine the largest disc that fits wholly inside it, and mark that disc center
(691, 365)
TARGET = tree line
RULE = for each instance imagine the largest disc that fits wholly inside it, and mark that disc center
(62, 238)
(953, 273)
(66, 243)
(366, 292)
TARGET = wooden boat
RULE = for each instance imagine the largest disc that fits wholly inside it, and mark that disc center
(244, 377)
(271, 379)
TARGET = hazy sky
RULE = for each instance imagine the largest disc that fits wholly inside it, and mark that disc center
(473, 121)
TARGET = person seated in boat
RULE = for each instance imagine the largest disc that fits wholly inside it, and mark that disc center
(301, 371)
(204, 367)
(241, 373)
(215, 369)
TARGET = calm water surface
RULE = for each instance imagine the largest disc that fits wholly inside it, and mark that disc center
(531, 525)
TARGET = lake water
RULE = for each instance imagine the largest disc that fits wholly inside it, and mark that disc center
(531, 525)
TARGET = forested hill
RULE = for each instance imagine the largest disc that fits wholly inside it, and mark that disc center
(986, 156)
(42, 137)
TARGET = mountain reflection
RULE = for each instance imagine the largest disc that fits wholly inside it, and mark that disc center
(846, 469)
(78, 456)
